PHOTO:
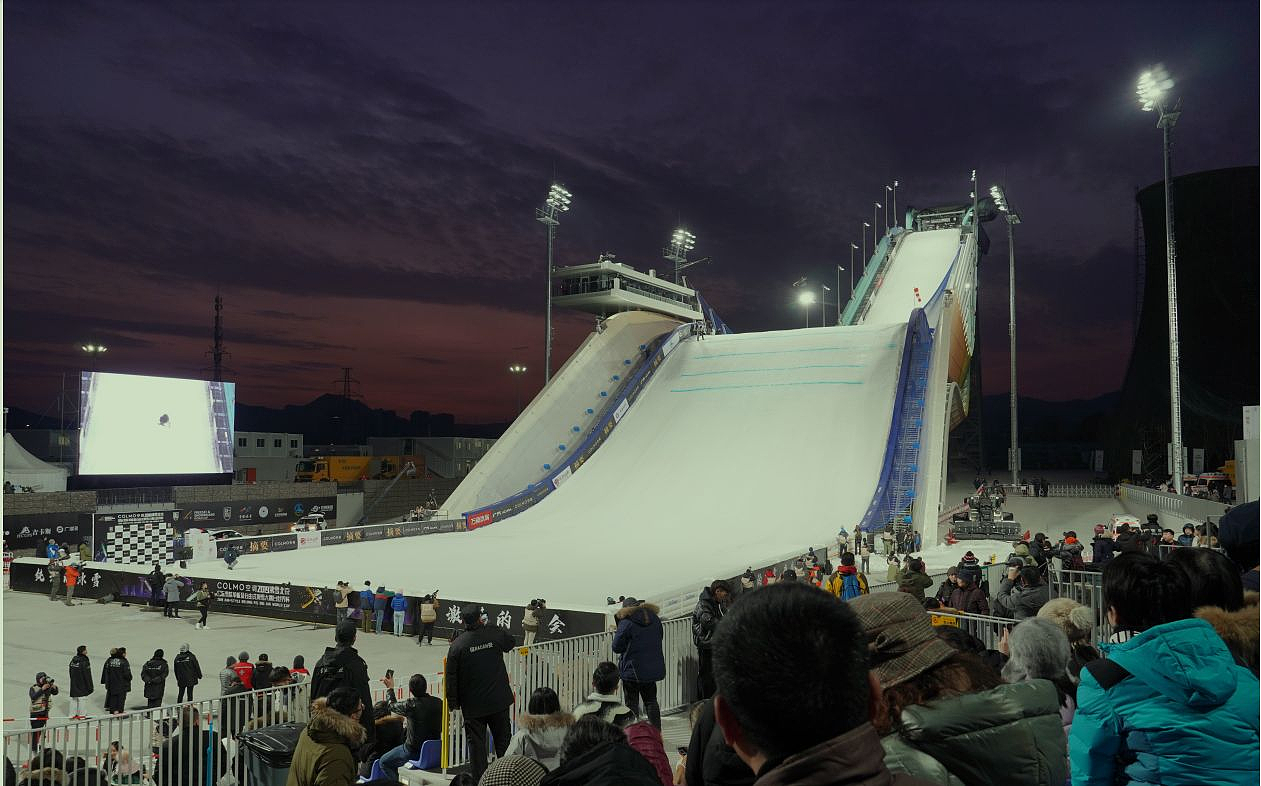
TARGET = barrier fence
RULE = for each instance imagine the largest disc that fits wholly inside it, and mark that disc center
(160, 745)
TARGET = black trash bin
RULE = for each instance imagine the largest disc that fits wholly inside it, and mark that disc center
(268, 752)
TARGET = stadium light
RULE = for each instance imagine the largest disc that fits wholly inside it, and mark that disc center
(94, 351)
(806, 299)
(873, 243)
(894, 189)
(557, 202)
(1004, 206)
(681, 242)
(517, 370)
(1153, 87)
(875, 211)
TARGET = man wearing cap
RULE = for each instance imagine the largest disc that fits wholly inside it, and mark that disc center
(968, 596)
(772, 643)
(477, 683)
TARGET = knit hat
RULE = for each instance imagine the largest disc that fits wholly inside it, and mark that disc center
(900, 638)
(513, 771)
(969, 559)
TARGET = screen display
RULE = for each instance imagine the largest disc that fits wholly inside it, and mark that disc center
(134, 425)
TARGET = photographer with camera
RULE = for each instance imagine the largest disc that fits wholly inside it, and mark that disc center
(530, 620)
(41, 694)
(1021, 594)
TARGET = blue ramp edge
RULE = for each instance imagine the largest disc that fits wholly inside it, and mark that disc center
(610, 415)
(894, 497)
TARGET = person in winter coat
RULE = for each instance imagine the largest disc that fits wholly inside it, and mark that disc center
(153, 674)
(913, 580)
(1173, 673)
(228, 674)
(156, 579)
(771, 644)
(261, 678)
(299, 670)
(424, 722)
(846, 581)
(1078, 624)
(398, 605)
(477, 682)
(530, 623)
(603, 700)
(54, 577)
(41, 694)
(116, 677)
(341, 602)
(182, 758)
(947, 586)
(325, 755)
(1021, 594)
(72, 580)
(1102, 548)
(1127, 540)
(891, 575)
(542, 729)
(1037, 649)
(641, 662)
(203, 597)
(1020, 551)
(1187, 538)
(596, 753)
(646, 739)
(187, 672)
(341, 665)
(171, 588)
(710, 760)
(381, 606)
(85, 553)
(244, 670)
(705, 618)
(80, 680)
(234, 707)
(945, 716)
(366, 600)
(968, 596)
(429, 606)
(1069, 552)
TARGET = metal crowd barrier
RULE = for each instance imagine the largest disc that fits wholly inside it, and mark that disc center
(988, 629)
(1085, 587)
(1082, 490)
(156, 745)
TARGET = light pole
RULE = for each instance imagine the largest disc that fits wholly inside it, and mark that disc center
(976, 219)
(1153, 85)
(557, 202)
(1004, 206)
(839, 271)
(806, 299)
(894, 189)
(873, 243)
(518, 371)
(852, 248)
(875, 211)
(94, 351)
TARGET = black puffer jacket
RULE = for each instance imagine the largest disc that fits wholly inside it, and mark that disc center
(116, 674)
(705, 618)
(476, 679)
(153, 674)
(187, 669)
(80, 676)
(1011, 734)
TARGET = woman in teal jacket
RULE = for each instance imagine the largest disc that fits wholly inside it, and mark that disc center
(1169, 706)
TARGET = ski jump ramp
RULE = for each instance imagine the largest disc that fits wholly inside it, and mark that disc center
(658, 460)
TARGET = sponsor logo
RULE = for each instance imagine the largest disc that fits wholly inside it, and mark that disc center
(227, 514)
(297, 509)
(481, 518)
(263, 511)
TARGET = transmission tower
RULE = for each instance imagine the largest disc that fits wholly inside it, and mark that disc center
(217, 352)
(347, 381)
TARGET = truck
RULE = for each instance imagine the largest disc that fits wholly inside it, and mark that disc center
(348, 469)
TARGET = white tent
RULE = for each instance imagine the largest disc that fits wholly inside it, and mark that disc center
(23, 469)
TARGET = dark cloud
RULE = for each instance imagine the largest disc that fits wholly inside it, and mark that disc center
(361, 186)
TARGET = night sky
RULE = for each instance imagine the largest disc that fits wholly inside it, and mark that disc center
(359, 179)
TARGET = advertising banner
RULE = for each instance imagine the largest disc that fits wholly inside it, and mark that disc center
(308, 540)
(28, 531)
(267, 511)
(306, 603)
(480, 519)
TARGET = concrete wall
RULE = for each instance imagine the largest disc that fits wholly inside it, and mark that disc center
(50, 502)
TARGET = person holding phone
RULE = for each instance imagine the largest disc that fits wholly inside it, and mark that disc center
(424, 721)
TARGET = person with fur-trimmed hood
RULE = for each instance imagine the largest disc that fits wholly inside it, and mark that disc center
(641, 661)
(324, 755)
(542, 729)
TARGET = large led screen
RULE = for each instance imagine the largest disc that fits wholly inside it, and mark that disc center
(134, 425)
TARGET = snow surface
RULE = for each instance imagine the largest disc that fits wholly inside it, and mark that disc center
(742, 449)
(920, 259)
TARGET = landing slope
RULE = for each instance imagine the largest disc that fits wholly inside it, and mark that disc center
(742, 448)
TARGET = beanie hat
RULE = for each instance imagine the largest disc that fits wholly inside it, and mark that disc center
(513, 771)
(1238, 532)
(969, 559)
(900, 638)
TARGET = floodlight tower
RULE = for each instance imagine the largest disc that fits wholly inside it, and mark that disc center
(1000, 201)
(894, 190)
(873, 243)
(875, 211)
(839, 271)
(557, 202)
(94, 351)
(517, 370)
(852, 248)
(681, 242)
(806, 299)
